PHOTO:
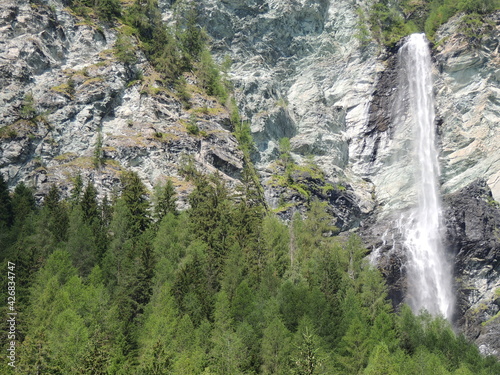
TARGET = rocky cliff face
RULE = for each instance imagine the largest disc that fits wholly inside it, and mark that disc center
(68, 106)
(473, 234)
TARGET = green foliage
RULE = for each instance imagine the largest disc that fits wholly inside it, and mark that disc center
(6, 214)
(276, 348)
(209, 76)
(363, 32)
(125, 49)
(58, 219)
(164, 200)
(381, 362)
(28, 110)
(98, 158)
(222, 288)
(390, 21)
(192, 128)
(134, 195)
(81, 242)
(191, 36)
(106, 10)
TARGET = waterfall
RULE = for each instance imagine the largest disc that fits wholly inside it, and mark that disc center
(429, 272)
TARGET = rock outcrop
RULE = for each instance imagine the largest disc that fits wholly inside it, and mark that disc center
(69, 106)
(473, 235)
(467, 92)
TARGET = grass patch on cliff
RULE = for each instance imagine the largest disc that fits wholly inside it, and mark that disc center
(68, 88)
(66, 157)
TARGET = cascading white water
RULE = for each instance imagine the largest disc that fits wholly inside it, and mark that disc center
(429, 272)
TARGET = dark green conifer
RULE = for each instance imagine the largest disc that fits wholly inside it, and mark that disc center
(6, 214)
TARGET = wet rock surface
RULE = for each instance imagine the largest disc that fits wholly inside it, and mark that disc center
(473, 234)
(472, 240)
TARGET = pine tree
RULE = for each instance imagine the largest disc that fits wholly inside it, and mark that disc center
(165, 200)
(23, 204)
(6, 214)
(276, 243)
(134, 195)
(247, 221)
(191, 288)
(228, 352)
(156, 338)
(211, 215)
(242, 303)
(6, 218)
(58, 220)
(77, 190)
(353, 349)
(308, 355)
(190, 34)
(90, 205)
(97, 217)
(276, 348)
(81, 242)
(381, 362)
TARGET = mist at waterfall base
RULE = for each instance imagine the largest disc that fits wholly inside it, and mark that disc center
(429, 274)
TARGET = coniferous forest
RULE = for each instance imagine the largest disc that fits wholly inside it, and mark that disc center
(129, 285)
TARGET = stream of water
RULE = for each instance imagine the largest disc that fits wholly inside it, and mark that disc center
(429, 272)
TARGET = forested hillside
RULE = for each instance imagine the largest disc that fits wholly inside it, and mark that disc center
(161, 251)
(121, 285)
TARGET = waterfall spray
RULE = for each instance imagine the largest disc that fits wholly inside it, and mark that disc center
(429, 272)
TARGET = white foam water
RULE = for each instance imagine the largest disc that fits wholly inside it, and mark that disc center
(428, 270)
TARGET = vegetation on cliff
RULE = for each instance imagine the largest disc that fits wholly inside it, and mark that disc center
(389, 21)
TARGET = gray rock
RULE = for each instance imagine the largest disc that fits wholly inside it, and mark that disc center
(81, 92)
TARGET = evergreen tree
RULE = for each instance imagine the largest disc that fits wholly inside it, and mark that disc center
(170, 244)
(228, 352)
(61, 318)
(6, 218)
(90, 205)
(247, 222)
(6, 214)
(134, 195)
(81, 242)
(97, 217)
(192, 37)
(156, 339)
(77, 190)
(58, 220)
(191, 287)
(242, 303)
(276, 348)
(381, 362)
(211, 216)
(23, 203)
(276, 243)
(353, 350)
(308, 356)
(164, 200)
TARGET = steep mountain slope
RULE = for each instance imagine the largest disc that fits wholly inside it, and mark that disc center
(299, 72)
(70, 106)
